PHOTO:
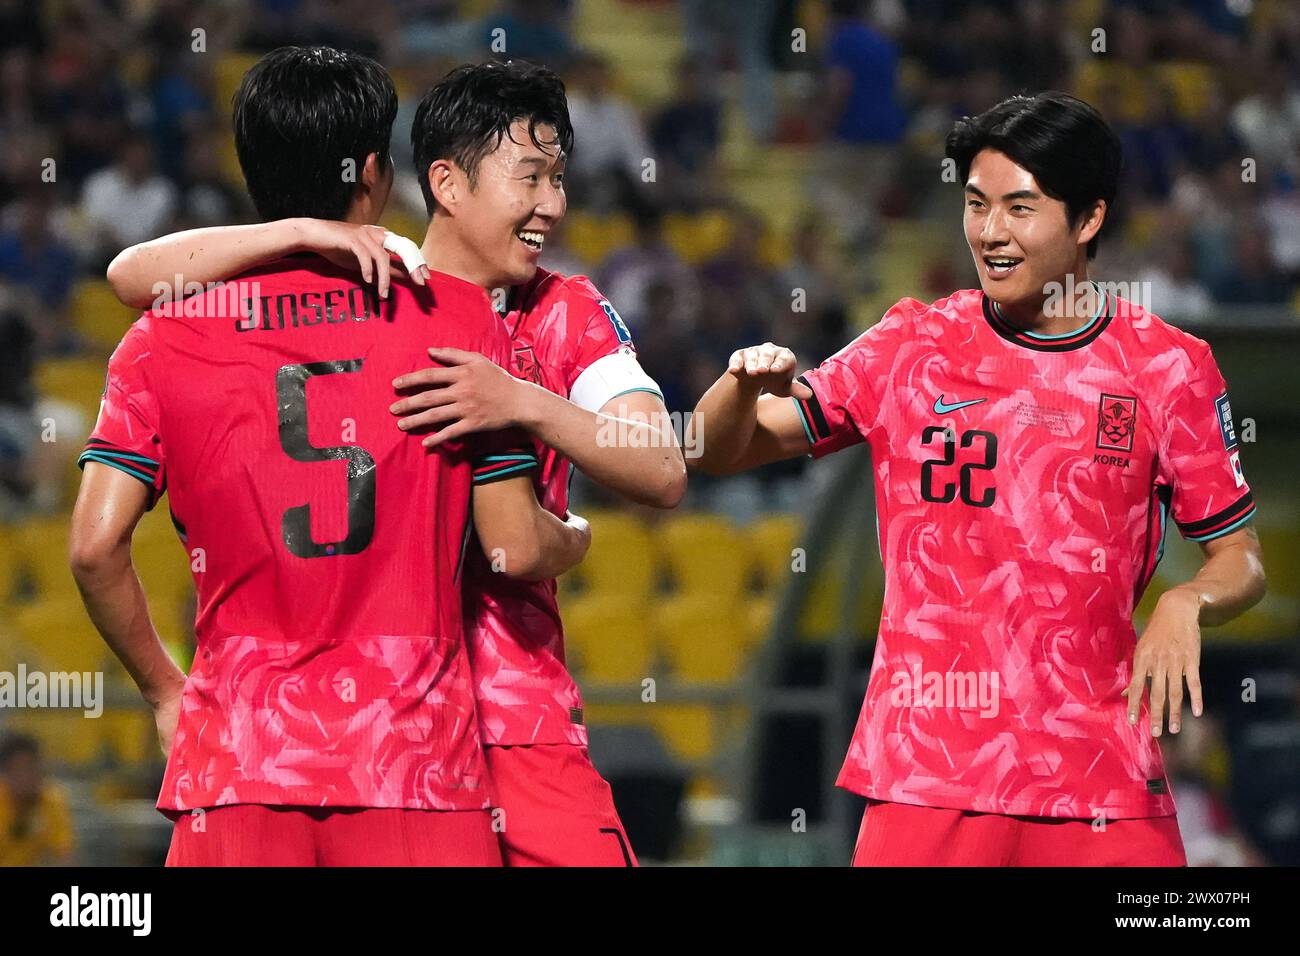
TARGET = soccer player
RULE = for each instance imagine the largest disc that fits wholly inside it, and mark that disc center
(1029, 439)
(491, 143)
(329, 717)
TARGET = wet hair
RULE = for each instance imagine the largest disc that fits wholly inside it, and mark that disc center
(468, 113)
(300, 113)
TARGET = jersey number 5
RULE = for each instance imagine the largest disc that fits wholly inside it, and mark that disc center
(291, 401)
(949, 491)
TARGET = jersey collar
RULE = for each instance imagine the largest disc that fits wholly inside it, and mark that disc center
(1066, 342)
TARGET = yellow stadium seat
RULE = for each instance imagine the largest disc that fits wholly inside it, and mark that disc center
(760, 615)
(62, 635)
(689, 730)
(131, 735)
(705, 554)
(697, 238)
(8, 566)
(1192, 85)
(610, 639)
(600, 714)
(66, 736)
(41, 546)
(705, 637)
(98, 316)
(621, 560)
(592, 238)
(77, 381)
(772, 539)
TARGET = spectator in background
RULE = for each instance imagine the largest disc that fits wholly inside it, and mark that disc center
(1177, 295)
(18, 428)
(206, 198)
(720, 33)
(1156, 148)
(1281, 217)
(740, 293)
(1269, 121)
(1210, 836)
(863, 119)
(862, 79)
(33, 466)
(1255, 280)
(127, 202)
(664, 347)
(610, 146)
(532, 30)
(180, 96)
(35, 825)
(628, 274)
(685, 135)
(819, 328)
(87, 102)
(33, 258)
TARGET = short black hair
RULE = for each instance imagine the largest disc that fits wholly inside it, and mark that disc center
(14, 745)
(300, 112)
(1067, 145)
(465, 116)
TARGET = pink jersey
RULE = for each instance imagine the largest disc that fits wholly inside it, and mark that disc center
(1022, 486)
(326, 545)
(559, 326)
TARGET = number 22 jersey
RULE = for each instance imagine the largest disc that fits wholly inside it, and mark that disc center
(1022, 485)
(326, 545)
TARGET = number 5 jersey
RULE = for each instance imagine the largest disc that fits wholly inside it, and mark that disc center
(326, 545)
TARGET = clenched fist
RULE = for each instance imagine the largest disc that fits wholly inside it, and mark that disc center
(770, 368)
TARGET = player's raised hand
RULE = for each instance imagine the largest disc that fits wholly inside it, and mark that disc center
(769, 367)
(367, 248)
(1168, 653)
(466, 392)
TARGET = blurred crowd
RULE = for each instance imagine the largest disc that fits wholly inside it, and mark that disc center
(111, 131)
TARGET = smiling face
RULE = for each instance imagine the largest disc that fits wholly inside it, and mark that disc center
(1021, 238)
(518, 198)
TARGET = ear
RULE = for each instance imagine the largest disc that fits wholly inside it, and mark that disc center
(447, 183)
(1092, 221)
(372, 173)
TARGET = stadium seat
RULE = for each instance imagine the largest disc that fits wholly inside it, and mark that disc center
(705, 554)
(603, 714)
(1192, 85)
(622, 559)
(42, 555)
(99, 317)
(697, 238)
(593, 238)
(760, 616)
(59, 632)
(8, 566)
(610, 639)
(77, 381)
(772, 538)
(130, 734)
(705, 637)
(689, 730)
(66, 736)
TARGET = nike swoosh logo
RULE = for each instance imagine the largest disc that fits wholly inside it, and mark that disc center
(940, 408)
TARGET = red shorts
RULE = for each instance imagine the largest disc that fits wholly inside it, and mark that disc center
(899, 834)
(250, 834)
(554, 808)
